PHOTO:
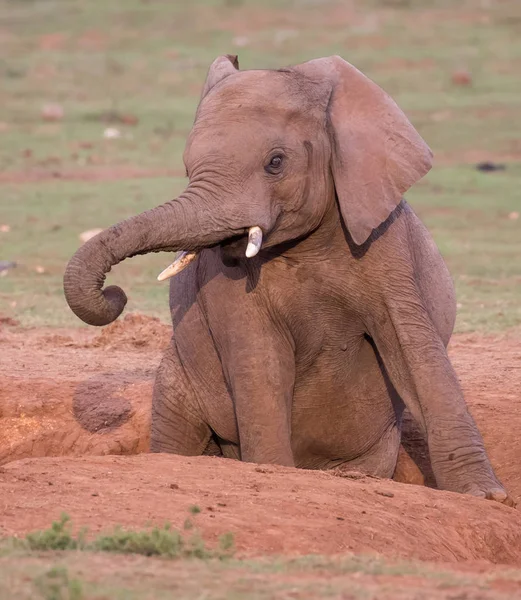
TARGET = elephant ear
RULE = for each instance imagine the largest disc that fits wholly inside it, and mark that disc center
(221, 67)
(377, 155)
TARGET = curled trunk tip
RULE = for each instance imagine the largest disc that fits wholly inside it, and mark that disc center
(104, 306)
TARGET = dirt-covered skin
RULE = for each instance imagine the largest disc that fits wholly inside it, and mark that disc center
(305, 351)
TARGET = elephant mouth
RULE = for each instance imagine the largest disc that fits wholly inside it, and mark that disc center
(234, 245)
(230, 247)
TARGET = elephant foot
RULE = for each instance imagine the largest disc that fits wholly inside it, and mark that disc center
(493, 492)
(473, 476)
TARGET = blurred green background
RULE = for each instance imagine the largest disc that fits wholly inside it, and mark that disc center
(71, 69)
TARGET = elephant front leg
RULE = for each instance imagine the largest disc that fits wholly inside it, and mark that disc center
(177, 426)
(259, 366)
(419, 367)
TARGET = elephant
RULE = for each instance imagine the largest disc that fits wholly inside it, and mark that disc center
(310, 305)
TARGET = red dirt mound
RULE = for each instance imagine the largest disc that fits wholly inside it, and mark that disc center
(271, 510)
(135, 331)
(64, 393)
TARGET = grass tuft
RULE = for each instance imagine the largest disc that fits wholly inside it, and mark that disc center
(56, 584)
(227, 542)
(156, 541)
(163, 541)
(57, 537)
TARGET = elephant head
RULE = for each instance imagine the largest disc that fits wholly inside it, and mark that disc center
(267, 154)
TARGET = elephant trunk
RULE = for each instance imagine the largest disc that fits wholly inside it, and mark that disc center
(185, 223)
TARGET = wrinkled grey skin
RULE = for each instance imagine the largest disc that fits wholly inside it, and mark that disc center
(307, 353)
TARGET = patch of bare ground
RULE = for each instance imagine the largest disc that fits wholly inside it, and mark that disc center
(78, 391)
(475, 156)
(271, 510)
(464, 15)
(93, 173)
(134, 331)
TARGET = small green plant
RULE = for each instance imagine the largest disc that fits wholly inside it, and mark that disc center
(164, 541)
(55, 584)
(156, 542)
(57, 537)
(194, 509)
(196, 548)
(227, 544)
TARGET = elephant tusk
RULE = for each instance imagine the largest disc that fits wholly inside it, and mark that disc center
(180, 263)
(254, 241)
(185, 258)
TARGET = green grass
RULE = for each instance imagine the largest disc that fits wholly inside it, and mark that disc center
(147, 59)
(469, 213)
(156, 541)
(57, 537)
(54, 564)
(46, 237)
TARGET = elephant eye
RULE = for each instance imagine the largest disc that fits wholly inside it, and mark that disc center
(275, 165)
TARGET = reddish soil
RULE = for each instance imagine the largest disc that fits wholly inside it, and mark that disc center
(68, 398)
(473, 157)
(271, 510)
(98, 173)
(80, 391)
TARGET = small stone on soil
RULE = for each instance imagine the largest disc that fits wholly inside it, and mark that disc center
(5, 265)
(386, 494)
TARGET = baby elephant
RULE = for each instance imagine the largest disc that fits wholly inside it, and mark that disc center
(313, 305)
